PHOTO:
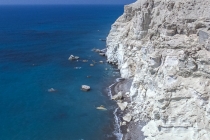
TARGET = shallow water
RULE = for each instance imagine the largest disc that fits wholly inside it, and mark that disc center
(35, 43)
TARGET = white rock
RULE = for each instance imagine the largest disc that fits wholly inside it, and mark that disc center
(71, 57)
(117, 96)
(127, 118)
(102, 54)
(101, 108)
(123, 123)
(85, 88)
(76, 57)
(122, 105)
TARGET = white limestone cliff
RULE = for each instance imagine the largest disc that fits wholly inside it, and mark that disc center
(164, 45)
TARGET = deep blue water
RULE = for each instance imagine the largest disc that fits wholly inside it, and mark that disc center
(35, 43)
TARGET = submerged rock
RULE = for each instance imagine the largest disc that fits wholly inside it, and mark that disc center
(84, 60)
(77, 67)
(51, 90)
(97, 50)
(102, 39)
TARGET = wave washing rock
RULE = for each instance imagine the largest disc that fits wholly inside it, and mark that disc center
(164, 45)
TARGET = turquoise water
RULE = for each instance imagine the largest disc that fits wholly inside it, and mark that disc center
(35, 43)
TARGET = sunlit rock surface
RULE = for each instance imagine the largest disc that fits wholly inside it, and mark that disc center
(164, 45)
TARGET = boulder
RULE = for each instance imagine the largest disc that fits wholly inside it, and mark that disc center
(127, 117)
(127, 94)
(122, 106)
(123, 123)
(72, 57)
(76, 57)
(117, 96)
(85, 88)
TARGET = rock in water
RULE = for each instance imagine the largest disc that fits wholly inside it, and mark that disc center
(102, 39)
(164, 45)
(51, 90)
(97, 50)
(72, 57)
(76, 57)
(103, 50)
(85, 88)
(101, 108)
(84, 60)
(102, 54)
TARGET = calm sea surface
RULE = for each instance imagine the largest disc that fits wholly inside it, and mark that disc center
(35, 43)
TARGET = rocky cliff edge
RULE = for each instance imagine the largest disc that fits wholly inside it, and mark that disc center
(164, 46)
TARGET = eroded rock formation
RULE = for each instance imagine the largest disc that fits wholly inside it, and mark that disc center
(164, 45)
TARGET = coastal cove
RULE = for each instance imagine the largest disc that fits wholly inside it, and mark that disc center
(35, 44)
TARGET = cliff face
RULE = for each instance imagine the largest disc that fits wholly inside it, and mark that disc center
(164, 45)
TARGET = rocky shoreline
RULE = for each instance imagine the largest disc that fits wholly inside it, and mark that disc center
(130, 130)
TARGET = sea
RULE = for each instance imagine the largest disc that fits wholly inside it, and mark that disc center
(35, 44)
